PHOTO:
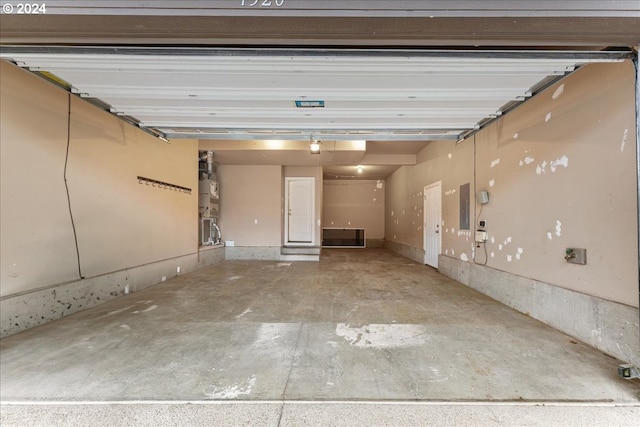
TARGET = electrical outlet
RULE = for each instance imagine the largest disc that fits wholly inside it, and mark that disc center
(178, 270)
(576, 255)
(481, 236)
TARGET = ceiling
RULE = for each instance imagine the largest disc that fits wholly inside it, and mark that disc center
(339, 159)
(392, 76)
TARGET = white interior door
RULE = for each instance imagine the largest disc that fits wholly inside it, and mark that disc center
(432, 223)
(300, 207)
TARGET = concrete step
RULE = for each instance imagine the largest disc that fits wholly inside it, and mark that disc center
(300, 250)
(299, 257)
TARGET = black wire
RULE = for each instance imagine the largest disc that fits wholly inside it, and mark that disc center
(66, 185)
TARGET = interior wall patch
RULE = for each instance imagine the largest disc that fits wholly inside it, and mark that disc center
(527, 161)
(624, 140)
(558, 228)
(562, 161)
(558, 92)
(541, 168)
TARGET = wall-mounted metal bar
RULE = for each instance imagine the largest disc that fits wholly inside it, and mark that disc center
(162, 184)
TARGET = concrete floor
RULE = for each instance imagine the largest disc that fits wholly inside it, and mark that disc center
(359, 326)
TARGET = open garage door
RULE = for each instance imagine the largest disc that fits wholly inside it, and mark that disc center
(297, 94)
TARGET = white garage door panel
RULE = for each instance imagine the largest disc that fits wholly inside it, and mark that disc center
(221, 91)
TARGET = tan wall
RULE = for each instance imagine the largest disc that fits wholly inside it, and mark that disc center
(355, 204)
(567, 178)
(119, 223)
(561, 173)
(444, 161)
(314, 172)
(37, 245)
(250, 204)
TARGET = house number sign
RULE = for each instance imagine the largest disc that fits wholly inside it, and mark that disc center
(262, 3)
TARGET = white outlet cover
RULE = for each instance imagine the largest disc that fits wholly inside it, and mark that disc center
(178, 270)
(230, 243)
(164, 278)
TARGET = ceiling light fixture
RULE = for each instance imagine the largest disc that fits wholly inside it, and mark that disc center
(314, 147)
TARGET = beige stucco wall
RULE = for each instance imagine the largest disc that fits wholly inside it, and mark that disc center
(355, 204)
(250, 204)
(119, 223)
(560, 170)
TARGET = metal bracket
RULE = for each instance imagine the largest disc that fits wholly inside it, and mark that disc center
(628, 372)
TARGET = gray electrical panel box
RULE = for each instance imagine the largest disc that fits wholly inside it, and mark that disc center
(465, 206)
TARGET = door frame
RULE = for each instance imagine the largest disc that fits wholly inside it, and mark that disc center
(287, 180)
(431, 186)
